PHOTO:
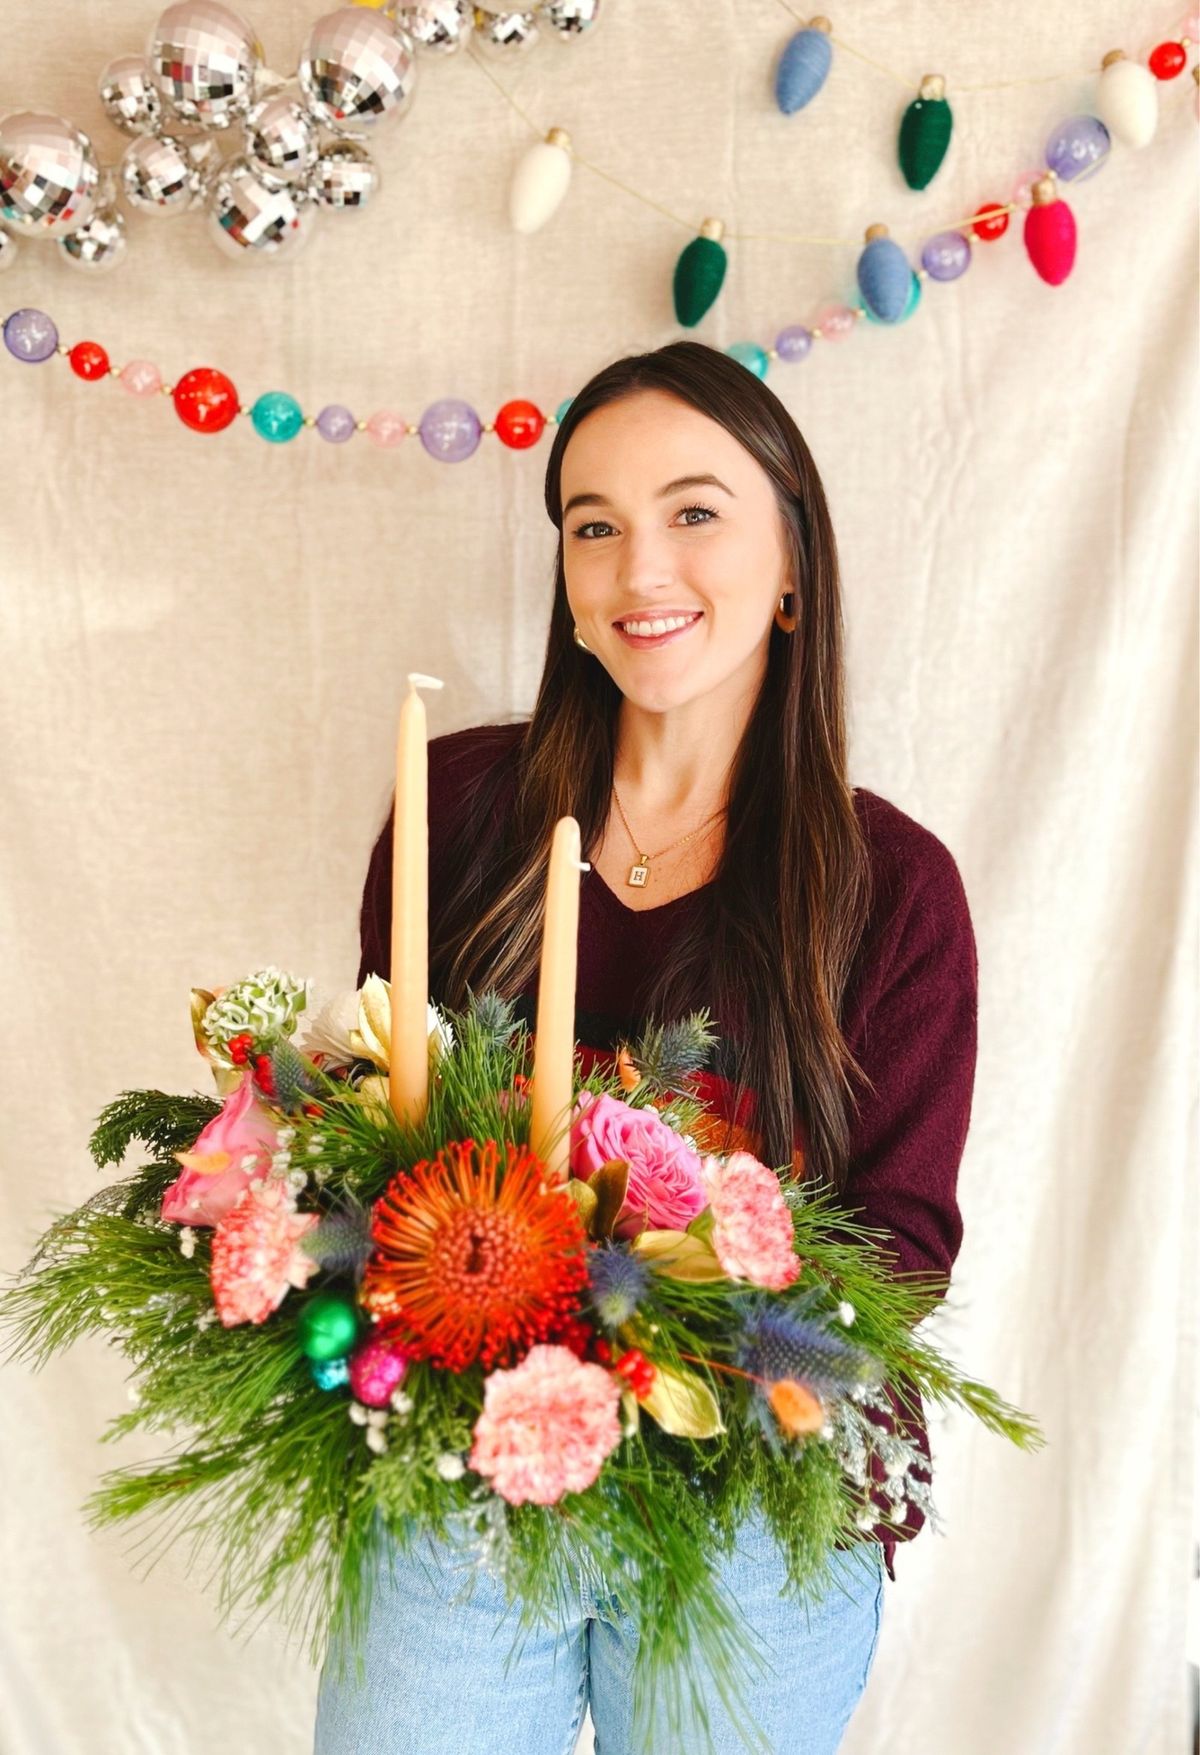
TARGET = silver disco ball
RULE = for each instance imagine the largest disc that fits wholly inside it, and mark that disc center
(48, 174)
(202, 59)
(254, 218)
(357, 73)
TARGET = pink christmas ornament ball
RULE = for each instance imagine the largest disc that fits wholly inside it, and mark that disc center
(377, 1370)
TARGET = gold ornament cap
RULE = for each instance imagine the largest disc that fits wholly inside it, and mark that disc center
(932, 86)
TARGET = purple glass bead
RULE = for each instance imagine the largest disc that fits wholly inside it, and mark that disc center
(336, 423)
(29, 335)
(450, 430)
(946, 256)
(793, 343)
(1078, 147)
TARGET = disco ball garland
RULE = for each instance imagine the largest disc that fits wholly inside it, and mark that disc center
(298, 141)
(346, 1320)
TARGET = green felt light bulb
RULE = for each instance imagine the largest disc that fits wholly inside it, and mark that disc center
(699, 273)
(328, 1326)
(925, 133)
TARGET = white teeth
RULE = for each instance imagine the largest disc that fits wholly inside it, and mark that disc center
(664, 626)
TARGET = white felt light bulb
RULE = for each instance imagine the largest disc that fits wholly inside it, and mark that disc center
(540, 181)
(1127, 100)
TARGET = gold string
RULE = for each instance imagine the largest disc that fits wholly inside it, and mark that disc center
(993, 210)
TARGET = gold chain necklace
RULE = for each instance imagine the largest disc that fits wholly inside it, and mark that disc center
(639, 873)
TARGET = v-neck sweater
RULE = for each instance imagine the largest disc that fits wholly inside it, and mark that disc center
(909, 1017)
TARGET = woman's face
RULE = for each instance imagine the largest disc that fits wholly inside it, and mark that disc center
(642, 539)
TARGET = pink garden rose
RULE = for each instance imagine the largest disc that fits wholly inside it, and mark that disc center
(546, 1427)
(665, 1187)
(752, 1233)
(214, 1176)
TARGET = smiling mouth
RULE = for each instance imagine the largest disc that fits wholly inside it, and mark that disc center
(644, 633)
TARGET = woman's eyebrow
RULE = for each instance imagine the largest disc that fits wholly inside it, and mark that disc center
(672, 487)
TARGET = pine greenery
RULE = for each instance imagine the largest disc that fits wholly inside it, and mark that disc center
(274, 1488)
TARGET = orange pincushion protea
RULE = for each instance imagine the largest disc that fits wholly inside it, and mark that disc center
(473, 1261)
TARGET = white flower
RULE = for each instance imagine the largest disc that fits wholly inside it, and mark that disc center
(376, 1440)
(450, 1467)
(846, 1313)
(187, 1242)
(358, 1026)
(401, 1403)
(358, 1413)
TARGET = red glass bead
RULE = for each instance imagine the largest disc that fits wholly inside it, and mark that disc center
(989, 222)
(520, 424)
(88, 360)
(1168, 60)
(205, 400)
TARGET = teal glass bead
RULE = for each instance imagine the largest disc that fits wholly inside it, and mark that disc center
(563, 407)
(276, 417)
(330, 1373)
(749, 354)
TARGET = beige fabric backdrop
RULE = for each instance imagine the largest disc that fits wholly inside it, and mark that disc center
(204, 646)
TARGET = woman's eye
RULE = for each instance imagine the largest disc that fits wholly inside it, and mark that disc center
(600, 524)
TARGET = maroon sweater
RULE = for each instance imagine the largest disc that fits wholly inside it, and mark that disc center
(909, 1016)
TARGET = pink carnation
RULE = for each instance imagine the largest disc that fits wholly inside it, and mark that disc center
(546, 1427)
(665, 1188)
(214, 1175)
(256, 1254)
(752, 1231)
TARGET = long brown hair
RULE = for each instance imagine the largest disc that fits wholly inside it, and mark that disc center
(772, 948)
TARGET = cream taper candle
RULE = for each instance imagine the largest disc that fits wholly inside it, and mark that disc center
(554, 1035)
(408, 1052)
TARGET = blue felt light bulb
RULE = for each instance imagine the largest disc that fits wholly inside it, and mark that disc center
(803, 67)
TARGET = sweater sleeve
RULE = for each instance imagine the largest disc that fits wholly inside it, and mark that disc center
(918, 1046)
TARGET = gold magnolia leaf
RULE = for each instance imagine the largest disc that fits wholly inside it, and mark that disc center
(608, 1184)
(201, 1000)
(678, 1255)
(631, 1413)
(585, 1199)
(376, 1097)
(682, 1404)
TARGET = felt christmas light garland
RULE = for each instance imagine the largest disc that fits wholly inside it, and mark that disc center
(888, 288)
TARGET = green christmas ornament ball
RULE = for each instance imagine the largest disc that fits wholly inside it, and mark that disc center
(328, 1326)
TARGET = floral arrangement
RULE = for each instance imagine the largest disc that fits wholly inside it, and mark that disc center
(362, 1328)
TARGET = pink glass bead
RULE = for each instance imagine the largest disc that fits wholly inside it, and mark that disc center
(1023, 188)
(376, 1370)
(386, 427)
(835, 322)
(141, 378)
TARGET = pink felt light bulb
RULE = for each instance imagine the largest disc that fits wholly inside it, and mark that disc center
(1050, 233)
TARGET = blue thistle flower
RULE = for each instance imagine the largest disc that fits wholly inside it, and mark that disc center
(773, 1343)
(618, 1282)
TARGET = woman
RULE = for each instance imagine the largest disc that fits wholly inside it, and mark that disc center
(732, 865)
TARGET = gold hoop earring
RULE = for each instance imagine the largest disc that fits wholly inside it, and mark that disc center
(579, 641)
(787, 620)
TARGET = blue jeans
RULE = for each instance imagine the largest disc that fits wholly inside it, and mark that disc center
(435, 1681)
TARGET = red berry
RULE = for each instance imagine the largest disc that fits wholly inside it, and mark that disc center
(603, 1350)
(315, 1109)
